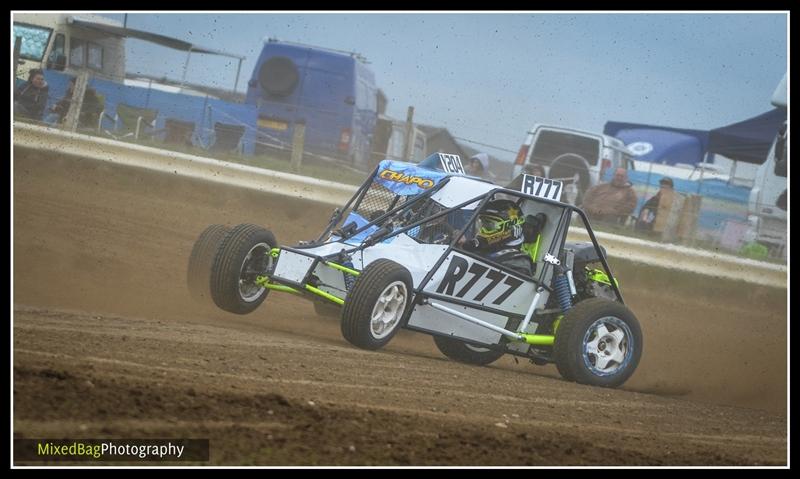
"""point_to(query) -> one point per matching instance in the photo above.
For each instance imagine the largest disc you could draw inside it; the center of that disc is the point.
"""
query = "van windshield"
(34, 40)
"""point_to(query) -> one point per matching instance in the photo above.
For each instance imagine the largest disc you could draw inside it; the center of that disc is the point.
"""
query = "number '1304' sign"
(541, 187)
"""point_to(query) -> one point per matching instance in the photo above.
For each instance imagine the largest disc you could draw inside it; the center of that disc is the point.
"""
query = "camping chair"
(178, 132)
(228, 137)
(131, 121)
(101, 99)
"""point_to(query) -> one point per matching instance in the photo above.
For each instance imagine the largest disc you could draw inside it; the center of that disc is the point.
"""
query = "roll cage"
(375, 230)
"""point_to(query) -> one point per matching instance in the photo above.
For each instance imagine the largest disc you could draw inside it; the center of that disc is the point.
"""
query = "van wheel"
(567, 166)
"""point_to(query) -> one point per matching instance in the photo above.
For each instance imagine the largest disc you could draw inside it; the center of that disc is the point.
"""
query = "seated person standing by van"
(90, 108)
(647, 217)
(479, 166)
(31, 98)
(611, 202)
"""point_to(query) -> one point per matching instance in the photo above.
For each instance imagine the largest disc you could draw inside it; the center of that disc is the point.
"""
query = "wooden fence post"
(298, 139)
(74, 112)
(408, 150)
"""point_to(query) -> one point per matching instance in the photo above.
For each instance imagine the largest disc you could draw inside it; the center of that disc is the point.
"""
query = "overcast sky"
(489, 77)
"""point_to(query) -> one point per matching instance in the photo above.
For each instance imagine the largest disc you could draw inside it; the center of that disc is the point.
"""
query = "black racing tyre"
(243, 255)
(375, 305)
(466, 353)
(598, 342)
(278, 76)
(198, 274)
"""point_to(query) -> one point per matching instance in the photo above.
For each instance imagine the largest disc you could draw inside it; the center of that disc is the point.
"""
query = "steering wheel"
(439, 233)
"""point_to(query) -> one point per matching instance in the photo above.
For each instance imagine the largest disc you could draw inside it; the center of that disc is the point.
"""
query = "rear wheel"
(243, 256)
(375, 305)
(466, 353)
(598, 342)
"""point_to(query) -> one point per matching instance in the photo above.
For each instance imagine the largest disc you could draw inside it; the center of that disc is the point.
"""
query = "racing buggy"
(485, 270)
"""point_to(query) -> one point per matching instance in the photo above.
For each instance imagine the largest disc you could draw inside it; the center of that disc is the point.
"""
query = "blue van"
(332, 92)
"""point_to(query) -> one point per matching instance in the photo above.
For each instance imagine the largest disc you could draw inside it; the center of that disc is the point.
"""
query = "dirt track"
(107, 343)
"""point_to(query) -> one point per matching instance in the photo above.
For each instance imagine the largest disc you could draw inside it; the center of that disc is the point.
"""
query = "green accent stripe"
(264, 281)
(532, 249)
(600, 276)
(325, 295)
(343, 268)
(538, 339)
(557, 323)
(280, 287)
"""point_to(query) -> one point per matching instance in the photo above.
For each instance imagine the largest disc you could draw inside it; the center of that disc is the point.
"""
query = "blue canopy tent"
(659, 144)
(750, 140)
(663, 147)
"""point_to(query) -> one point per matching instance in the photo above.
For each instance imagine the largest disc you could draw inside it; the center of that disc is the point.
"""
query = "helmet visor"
(489, 224)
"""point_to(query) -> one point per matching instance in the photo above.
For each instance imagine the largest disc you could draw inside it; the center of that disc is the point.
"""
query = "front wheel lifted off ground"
(376, 304)
(599, 342)
(243, 256)
(198, 274)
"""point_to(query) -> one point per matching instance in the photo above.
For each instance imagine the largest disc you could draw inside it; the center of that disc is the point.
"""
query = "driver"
(504, 236)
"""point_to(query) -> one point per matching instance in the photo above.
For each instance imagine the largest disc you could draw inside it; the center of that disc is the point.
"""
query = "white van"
(579, 158)
(767, 208)
(67, 43)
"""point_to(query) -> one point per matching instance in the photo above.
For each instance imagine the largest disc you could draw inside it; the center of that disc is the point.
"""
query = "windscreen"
(34, 40)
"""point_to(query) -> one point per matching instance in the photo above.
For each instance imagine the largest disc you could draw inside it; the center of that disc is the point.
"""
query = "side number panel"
(467, 279)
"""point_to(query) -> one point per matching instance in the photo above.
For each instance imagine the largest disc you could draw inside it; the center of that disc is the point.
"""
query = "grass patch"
(678, 283)
(705, 245)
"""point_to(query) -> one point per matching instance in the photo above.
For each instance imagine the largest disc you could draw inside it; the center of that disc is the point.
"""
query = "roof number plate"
(451, 163)
(541, 187)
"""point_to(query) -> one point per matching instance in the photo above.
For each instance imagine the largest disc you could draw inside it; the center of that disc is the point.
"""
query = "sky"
(488, 77)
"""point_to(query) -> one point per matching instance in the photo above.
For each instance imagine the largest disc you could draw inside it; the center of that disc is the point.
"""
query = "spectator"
(31, 98)
(647, 217)
(90, 109)
(479, 165)
(611, 202)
